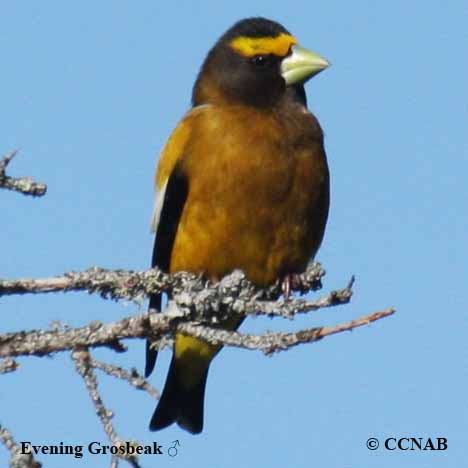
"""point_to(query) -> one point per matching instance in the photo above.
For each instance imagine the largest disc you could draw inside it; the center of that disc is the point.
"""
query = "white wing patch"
(160, 194)
(157, 207)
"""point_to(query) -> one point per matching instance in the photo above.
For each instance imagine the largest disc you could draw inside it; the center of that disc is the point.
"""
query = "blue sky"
(89, 93)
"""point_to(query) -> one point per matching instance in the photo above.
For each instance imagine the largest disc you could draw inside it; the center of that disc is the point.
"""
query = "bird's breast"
(257, 199)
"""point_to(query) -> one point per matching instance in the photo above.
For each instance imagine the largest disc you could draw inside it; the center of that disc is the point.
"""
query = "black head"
(244, 66)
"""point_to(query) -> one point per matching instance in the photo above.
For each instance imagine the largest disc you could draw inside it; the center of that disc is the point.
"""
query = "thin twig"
(83, 365)
(24, 185)
(132, 377)
(81, 359)
(273, 342)
(17, 459)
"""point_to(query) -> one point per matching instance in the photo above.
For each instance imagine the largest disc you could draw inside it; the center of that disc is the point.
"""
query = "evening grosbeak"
(242, 183)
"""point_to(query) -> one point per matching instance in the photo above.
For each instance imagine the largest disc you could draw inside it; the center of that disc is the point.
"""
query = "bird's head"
(254, 63)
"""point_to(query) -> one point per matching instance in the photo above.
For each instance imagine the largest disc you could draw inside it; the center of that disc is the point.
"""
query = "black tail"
(180, 404)
(151, 353)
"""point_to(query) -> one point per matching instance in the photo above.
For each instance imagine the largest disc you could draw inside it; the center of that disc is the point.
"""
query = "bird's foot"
(290, 281)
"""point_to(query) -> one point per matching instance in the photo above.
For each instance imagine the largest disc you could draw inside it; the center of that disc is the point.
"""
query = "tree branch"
(84, 367)
(153, 326)
(131, 285)
(273, 342)
(132, 377)
(233, 294)
(17, 459)
(197, 308)
(43, 342)
(24, 185)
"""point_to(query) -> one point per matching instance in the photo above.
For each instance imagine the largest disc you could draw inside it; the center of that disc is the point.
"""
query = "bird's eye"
(260, 60)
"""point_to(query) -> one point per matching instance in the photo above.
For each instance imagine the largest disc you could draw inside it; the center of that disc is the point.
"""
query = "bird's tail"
(151, 353)
(181, 402)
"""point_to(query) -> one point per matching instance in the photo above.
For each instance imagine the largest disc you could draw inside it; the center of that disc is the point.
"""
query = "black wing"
(171, 212)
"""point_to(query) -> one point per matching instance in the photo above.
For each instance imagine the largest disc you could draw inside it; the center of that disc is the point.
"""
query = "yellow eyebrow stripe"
(251, 46)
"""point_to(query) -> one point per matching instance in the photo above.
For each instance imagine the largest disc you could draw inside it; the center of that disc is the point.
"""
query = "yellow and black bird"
(242, 183)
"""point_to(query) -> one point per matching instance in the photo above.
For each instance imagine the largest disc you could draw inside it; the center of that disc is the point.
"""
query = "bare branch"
(202, 306)
(234, 293)
(128, 284)
(152, 326)
(83, 365)
(81, 359)
(287, 308)
(272, 342)
(8, 365)
(17, 459)
(197, 308)
(40, 343)
(133, 377)
(24, 185)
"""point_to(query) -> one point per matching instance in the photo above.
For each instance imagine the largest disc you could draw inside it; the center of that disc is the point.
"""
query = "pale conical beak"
(301, 65)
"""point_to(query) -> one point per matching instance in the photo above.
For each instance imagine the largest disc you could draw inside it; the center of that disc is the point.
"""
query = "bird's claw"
(290, 281)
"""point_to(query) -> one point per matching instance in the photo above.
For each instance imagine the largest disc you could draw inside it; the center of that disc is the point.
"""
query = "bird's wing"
(171, 193)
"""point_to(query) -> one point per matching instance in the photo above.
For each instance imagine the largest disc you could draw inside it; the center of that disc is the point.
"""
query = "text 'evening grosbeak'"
(242, 183)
